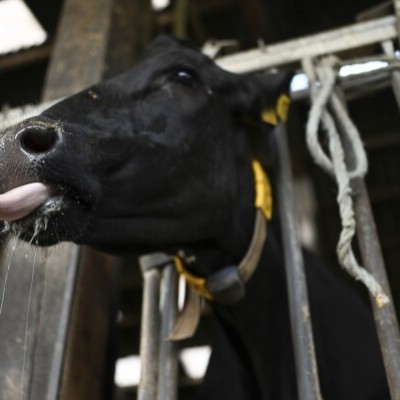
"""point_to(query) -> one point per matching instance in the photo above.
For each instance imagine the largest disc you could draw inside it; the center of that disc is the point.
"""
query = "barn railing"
(302, 50)
(371, 253)
(306, 51)
(385, 317)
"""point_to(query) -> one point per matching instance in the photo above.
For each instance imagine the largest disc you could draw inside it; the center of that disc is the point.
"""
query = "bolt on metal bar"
(306, 365)
(371, 254)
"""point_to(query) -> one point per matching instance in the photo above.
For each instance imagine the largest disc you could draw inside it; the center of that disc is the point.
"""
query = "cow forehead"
(146, 71)
(116, 96)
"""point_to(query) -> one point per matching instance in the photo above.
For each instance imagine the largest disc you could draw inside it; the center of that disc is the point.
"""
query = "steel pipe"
(371, 253)
(149, 335)
(168, 374)
(158, 355)
(372, 258)
(306, 365)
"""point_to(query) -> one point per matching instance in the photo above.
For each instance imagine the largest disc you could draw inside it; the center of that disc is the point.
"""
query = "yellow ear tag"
(280, 113)
(263, 200)
(282, 107)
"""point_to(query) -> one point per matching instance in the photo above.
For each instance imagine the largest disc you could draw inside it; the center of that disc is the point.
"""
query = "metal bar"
(379, 10)
(388, 49)
(396, 4)
(306, 365)
(61, 335)
(180, 18)
(149, 343)
(95, 290)
(371, 253)
(349, 37)
(385, 317)
(25, 57)
(168, 375)
(157, 360)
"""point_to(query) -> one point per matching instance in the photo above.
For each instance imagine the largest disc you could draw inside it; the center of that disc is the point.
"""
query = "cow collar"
(227, 286)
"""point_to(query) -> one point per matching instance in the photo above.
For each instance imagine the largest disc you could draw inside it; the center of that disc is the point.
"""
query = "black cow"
(158, 159)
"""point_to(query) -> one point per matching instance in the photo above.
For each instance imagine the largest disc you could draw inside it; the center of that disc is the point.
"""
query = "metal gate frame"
(302, 50)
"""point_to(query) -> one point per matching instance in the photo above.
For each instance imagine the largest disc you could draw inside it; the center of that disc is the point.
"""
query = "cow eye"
(186, 77)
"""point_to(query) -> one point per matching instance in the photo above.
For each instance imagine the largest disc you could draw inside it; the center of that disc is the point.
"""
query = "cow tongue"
(22, 200)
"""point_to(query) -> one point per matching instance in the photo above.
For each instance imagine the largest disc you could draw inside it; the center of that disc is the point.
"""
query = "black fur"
(157, 158)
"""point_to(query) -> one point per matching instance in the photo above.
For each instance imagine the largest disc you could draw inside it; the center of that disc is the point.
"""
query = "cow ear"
(259, 91)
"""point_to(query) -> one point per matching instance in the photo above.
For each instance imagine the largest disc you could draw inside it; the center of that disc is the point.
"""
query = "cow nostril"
(38, 140)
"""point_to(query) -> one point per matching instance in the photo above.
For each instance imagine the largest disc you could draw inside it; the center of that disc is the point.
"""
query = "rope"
(334, 163)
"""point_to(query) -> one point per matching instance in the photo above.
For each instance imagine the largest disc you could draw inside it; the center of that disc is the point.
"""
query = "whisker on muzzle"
(6, 275)
(27, 322)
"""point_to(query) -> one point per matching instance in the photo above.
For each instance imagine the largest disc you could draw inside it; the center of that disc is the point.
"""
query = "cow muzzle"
(23, 148)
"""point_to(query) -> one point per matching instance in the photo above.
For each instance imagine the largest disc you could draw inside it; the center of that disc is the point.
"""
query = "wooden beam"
(81, 40)
(35, 371)
(25, 57)
(127, 35)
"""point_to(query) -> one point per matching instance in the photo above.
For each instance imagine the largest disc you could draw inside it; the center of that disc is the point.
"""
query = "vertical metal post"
(385, 316)
(371, 253)
(158, 356)
(396, 4)
(180, 18)
(149, 336)
(306, 365)
(168, 376)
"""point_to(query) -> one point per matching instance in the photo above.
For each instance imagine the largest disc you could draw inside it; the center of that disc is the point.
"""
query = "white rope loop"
(317, 113)
(335, 164)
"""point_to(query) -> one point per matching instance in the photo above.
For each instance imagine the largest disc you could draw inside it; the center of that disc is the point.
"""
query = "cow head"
(153, 156)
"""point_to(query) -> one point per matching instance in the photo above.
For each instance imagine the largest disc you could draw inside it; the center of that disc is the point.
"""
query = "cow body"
(158, 159)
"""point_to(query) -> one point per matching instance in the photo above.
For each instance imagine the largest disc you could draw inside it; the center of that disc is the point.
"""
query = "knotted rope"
(334, 163)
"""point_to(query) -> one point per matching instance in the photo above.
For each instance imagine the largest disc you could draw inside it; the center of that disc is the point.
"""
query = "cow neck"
(257, 328)
(227, 285)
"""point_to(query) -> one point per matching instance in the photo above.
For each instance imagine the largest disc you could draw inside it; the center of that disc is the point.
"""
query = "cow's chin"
(60, 219)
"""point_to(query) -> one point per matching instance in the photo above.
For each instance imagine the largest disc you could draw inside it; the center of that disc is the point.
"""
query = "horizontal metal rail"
(332, 41)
